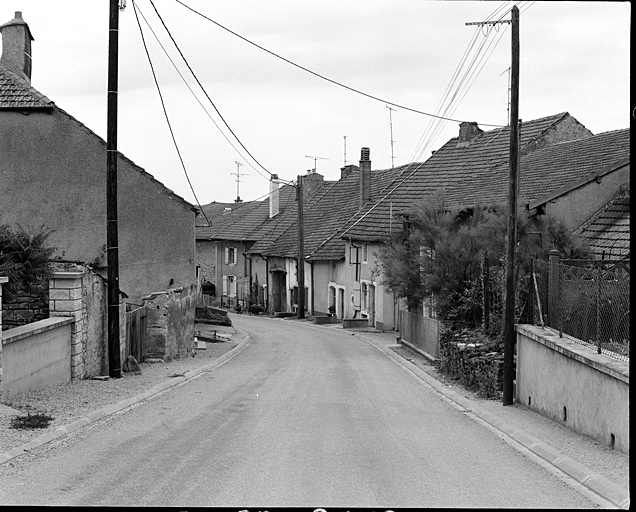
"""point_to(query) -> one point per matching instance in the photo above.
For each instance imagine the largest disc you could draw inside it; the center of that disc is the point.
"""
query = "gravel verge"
(77, 399)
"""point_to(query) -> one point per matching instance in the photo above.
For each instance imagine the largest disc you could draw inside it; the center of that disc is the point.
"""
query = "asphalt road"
(304, 416)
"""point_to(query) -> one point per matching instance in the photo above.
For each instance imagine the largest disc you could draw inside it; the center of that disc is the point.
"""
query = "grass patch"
(31, 421)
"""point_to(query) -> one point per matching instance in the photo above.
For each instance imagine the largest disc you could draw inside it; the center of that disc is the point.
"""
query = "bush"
(24, 258)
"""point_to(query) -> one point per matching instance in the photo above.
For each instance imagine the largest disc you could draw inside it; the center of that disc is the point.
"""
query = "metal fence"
(421, 331)
(587, 300)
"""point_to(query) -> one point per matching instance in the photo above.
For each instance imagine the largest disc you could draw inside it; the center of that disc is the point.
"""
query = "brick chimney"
(16, 46)
(348, 169)
(365, 176)
(311, 184)
(273, 195)
(468, 131)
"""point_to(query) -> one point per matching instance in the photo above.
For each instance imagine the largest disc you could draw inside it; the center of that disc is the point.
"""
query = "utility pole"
(112, 243)
(316, 158)
(509, 310)
(509, 314)
(301, 251)
(238, 176)
(392, 141)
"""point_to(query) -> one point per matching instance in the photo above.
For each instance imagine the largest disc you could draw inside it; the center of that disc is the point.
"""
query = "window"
(364, 296)
(365, 252)
(230, 255)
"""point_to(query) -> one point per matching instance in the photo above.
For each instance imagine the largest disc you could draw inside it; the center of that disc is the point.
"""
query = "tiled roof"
(462, 175)
(228, 221)
(560, 166)
(325, 215)
(607, 232)
(18, 94)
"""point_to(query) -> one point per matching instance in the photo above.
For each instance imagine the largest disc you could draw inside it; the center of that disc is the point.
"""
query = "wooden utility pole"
(509, 313)
(301, 251)
(112, 244)
(509, 309)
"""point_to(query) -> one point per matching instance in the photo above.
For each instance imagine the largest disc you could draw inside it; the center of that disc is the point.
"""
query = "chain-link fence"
(588, 300)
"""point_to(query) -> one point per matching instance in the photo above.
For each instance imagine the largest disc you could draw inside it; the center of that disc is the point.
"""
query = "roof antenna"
(392, 141)
(316, 158)
(238, 175)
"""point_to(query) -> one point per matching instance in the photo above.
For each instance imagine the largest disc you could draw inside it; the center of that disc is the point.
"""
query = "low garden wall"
(573, 385)
(474, 361)
(36, 355)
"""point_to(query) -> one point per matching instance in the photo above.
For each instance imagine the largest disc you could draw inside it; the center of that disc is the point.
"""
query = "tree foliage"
(441, 253)
(24, 258)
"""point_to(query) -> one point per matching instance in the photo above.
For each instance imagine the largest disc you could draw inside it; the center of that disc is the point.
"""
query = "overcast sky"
(574, 58)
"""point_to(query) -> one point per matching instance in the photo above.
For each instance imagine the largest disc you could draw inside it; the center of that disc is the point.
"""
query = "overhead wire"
(318, 74)
(165, 112)
(193, 93)
(461, 84)
(205, 92)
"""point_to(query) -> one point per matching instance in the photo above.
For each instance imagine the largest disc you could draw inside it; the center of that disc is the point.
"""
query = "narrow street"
(304, 416)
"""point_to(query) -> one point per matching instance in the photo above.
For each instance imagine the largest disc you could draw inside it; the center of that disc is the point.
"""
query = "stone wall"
(25, 309)
(474, 362)
(170, 323)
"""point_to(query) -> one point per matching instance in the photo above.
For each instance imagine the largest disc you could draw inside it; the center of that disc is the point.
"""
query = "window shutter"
(224, 285)
(227, 255)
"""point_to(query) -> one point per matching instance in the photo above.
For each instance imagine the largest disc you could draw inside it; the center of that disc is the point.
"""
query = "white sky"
(574, 58)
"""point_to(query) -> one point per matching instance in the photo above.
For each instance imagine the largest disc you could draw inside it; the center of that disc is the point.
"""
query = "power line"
(193, 93)
(163, 106)
(204, 91)
(322, 76)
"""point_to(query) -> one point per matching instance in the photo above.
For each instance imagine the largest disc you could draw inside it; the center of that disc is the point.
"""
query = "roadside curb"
(595, 482)
(111, 409)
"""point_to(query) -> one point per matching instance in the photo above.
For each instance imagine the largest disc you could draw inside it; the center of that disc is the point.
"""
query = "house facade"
(53, 175)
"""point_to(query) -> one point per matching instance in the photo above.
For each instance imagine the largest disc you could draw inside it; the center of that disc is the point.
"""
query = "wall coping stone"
(68, 274)
(24, 331)
(566, 346)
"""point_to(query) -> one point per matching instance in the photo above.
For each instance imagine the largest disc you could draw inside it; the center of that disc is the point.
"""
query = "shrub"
(24, 258)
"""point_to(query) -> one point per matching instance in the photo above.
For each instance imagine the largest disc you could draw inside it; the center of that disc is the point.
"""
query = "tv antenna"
(345, 150)
(238, 180)
(392, 141)
(314, 158)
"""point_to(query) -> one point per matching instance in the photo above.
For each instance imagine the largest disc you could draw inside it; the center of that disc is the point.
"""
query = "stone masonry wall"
(25, 309)
(476, 365)
(170, 323)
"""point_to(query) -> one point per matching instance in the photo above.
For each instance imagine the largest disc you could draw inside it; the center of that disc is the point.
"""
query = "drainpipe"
(266, 282)
(311, 277)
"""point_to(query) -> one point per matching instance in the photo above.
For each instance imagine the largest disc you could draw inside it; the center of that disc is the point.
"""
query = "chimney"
(16, 46)
(311, 184)
(468, 131)
(365, 176)
(348, 169)
(273, 195)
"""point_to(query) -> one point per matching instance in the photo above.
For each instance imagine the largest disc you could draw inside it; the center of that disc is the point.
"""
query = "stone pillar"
(554, 291)
(65, 299)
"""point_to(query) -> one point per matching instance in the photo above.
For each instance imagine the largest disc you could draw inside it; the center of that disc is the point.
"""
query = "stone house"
(53, 172)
